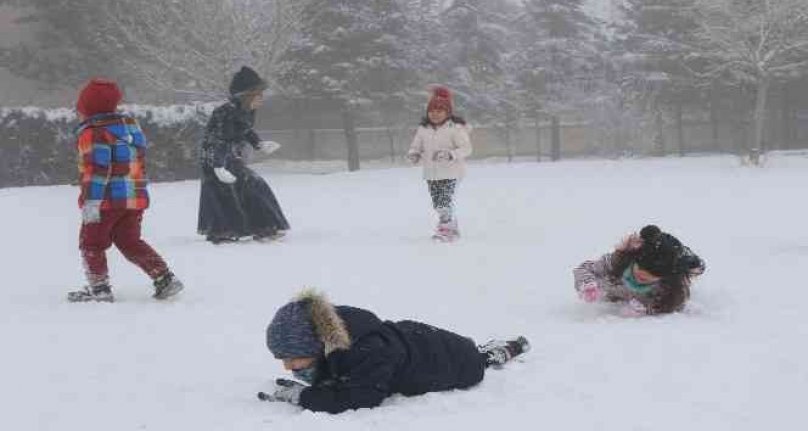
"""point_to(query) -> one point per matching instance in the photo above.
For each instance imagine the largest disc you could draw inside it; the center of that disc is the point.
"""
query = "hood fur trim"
(327, 324)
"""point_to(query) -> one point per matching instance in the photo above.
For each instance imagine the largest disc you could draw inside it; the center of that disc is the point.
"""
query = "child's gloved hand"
(414, 158)
(224, 175)
(591, 292)
(629, 243)
(268, 147)
(285, 390)
(443, 156)
(91, 212)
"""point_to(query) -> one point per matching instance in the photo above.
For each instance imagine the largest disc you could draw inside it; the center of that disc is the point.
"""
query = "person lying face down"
(350, 359)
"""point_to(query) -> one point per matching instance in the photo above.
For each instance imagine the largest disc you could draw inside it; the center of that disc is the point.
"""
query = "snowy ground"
(736, 360)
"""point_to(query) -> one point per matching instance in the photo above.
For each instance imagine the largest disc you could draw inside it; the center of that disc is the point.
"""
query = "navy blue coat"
(385, 358)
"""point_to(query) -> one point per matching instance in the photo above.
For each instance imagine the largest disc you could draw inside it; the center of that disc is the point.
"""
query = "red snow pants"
(122, 228)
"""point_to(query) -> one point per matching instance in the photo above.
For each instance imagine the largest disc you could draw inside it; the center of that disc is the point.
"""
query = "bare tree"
(752, 42)
(179, 45)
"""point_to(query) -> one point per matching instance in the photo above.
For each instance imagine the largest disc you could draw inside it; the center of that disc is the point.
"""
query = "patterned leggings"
(442, 192)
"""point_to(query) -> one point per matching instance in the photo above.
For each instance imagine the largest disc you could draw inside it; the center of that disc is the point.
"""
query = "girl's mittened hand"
(414, 158)
(443, 156)
(268, 147)
(224, 175)
(591, 292)
(631, 242)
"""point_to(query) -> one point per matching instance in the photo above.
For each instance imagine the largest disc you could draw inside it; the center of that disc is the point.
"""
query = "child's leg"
(442, 192)
(126, 235)
(94, 240)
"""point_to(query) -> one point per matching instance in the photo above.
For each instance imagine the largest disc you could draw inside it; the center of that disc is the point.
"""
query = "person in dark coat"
(235, 201)
(351, 359)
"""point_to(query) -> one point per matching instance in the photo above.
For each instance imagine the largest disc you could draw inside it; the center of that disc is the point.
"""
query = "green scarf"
(633, 285)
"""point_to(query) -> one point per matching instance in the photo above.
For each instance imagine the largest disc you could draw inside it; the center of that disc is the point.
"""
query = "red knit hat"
(441, 99)
(98, 96)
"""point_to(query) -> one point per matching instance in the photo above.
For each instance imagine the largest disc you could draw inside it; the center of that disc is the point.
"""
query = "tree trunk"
(555, 144)
(351, 139)
(680, 128)
(714, 119)
(392, 140)
(659, 133)
(508, 146)
(760, 115)
(311, 141)
(786, 136)
(537, 119)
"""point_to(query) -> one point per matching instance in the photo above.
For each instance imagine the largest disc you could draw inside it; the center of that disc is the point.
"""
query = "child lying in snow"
(650, 272)
(351, 359)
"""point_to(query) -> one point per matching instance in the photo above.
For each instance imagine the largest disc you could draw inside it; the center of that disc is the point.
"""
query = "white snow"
(164, 116)
(736, 360)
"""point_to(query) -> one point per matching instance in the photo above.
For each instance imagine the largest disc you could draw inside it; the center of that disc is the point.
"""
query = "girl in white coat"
(442, 145)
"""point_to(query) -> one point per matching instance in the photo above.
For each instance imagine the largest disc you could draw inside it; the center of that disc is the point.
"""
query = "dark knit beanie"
(292, 334)
(660, 252)
(246, 80)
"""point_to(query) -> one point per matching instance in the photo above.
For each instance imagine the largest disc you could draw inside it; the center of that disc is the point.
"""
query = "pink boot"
(446, 232)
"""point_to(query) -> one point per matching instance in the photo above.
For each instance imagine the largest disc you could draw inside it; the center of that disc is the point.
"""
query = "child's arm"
(95, 153)
(416, 147)
(592, 272)
(221, 135)
(365, 385)
(462, 143)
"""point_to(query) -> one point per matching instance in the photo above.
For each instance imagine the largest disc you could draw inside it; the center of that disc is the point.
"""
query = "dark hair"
(664, 256)
(453, 118)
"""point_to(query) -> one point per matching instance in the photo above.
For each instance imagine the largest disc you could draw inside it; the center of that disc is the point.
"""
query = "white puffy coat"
(449, 136)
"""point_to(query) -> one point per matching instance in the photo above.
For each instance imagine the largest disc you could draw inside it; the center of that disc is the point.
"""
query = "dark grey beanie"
(246, 80)
(291, 334)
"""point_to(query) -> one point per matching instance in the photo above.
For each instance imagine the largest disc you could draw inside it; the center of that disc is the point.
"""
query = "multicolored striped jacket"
(112, 162)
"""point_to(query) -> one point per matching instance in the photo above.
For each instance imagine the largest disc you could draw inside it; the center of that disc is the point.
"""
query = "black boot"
(499, 352)
(167, 286)
(221, 239)
(98, 293)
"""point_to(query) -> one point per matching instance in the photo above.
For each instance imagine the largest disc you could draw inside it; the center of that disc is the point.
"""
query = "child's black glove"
(285, 390)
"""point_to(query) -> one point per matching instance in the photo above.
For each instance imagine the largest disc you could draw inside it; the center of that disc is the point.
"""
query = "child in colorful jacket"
(442, 145)
(350, 359)
(650, 272)
(113, 197)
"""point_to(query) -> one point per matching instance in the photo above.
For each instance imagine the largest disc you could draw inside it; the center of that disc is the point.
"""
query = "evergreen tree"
(559, 62)
(656, 40)
(351, 53)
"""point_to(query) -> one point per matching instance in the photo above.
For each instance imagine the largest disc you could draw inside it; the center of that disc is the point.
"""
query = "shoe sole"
(440, 238)
(76, 299)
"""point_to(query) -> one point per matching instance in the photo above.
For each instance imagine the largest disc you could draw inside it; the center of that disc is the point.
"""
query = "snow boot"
(167, 286)
(221, 239)
(499, 352)
(277, 236)
(97, 293)
(447, 231)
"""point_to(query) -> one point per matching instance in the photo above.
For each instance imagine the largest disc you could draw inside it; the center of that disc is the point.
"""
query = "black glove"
(285, 390)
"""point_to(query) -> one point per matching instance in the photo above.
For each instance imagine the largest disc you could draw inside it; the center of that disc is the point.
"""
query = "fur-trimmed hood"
(328, 325)
(310, 326)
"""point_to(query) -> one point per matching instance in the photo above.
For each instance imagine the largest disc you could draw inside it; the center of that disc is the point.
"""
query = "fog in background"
(536, 77)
